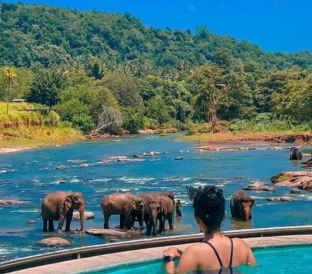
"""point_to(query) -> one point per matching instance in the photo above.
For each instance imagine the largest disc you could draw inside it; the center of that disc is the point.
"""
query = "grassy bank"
(243, 130)
(29, 125)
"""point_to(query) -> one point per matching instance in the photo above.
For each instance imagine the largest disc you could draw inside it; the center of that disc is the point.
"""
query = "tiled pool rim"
(99, 257)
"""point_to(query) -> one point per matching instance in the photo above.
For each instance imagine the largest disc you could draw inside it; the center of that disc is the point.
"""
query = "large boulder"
(12, 202)
(300, 179)
(259, 186)
(109, 232)
(87, 215)
(280, 199)
(294, 191)
(307, 163)
(53, 242)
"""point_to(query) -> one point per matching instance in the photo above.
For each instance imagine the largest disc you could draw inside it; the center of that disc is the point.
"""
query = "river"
(30, 175)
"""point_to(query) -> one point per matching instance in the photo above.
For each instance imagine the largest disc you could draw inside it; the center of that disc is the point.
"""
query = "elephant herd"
(149, 207)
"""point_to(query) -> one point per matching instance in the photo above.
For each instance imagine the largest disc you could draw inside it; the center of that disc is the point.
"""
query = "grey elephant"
(123, 205)
(241, 206)
(153, 209)
(60, 206)
(146, 197)
(295, 154)
(166, 212)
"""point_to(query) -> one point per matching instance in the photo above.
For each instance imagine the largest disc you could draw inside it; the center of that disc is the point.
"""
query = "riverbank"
(15, 149)
(297, 139)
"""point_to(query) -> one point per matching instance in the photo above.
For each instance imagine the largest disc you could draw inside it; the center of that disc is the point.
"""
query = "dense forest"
(108, 71)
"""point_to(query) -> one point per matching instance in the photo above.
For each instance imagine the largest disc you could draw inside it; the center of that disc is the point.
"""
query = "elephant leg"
(122, 223)
(106, 218)
(146, 220)
(149, 229)
(69, 218)
(161, 224)
(51, 225)
(170, 221)
(140, 220)
(45, 228)
(60, 224)
(128, 221)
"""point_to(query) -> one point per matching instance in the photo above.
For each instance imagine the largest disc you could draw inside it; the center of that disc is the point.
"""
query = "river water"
(30, 175)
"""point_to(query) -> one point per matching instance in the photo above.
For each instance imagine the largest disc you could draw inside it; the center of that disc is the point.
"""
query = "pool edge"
(286, 236)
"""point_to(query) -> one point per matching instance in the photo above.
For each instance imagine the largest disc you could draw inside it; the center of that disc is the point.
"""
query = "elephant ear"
(133, 204)
(162, 205)
(77, 198)
(68, 203)
(253, 202)
(139, 203)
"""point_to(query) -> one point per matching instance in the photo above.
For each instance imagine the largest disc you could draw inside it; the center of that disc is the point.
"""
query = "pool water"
(271, 260)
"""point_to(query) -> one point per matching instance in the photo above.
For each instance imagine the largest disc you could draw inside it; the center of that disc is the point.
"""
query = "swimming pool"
(271, 260)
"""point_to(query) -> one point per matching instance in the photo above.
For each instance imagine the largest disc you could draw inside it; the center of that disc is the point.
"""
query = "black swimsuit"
(218, 257)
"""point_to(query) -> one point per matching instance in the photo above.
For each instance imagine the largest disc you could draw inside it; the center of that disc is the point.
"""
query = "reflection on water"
(240, 224)
(30, 175)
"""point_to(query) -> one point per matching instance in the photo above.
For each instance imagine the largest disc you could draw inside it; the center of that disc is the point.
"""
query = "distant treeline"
(40, 35)
(109, 72)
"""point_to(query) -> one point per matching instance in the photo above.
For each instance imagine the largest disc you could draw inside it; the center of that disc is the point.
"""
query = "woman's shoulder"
(238, 241)
(195, 249)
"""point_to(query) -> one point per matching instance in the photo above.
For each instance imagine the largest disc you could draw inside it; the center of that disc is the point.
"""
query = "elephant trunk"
(81, 212)
(246, 213)
(154, 220)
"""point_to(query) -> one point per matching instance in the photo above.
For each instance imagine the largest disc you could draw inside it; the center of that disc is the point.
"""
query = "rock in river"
(53, 242)
(87, 215)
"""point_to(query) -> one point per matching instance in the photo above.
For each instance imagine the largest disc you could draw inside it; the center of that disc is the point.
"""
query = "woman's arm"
(187, 261)
(251, 260)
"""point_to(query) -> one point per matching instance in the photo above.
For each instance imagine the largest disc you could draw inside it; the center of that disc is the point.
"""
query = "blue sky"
(275, 25)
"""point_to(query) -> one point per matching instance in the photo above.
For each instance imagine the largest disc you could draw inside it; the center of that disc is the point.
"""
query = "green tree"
(206, 95)
(133, 119)
(46, 87)
(95, 68)
(109, 114)
(295, 99)
(157, 109)
(223, 58)
(123, 88)
(216, 92)
(22, 83)
(79, 105)
(78, 77)
(9, 74)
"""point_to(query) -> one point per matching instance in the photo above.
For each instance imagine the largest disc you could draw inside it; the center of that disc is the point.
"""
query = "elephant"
(168, 194)
(122, 205)
(156, 207)
(295, 154)
(241, 206)
(145, 214)
(166, 212)
(60, 205)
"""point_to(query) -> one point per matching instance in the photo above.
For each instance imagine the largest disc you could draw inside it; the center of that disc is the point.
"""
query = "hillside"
(39, 35)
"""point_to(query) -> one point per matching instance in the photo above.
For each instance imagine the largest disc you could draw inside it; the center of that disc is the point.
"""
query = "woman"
(216, 252)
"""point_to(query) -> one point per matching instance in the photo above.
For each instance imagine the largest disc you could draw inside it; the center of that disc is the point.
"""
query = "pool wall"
(94, 258)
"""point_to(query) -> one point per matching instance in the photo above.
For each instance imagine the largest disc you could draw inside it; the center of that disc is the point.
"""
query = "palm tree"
(9, 74)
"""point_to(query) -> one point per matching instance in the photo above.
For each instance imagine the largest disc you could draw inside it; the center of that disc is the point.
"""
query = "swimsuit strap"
(231, 253)
(218, 257)
(215, 251)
